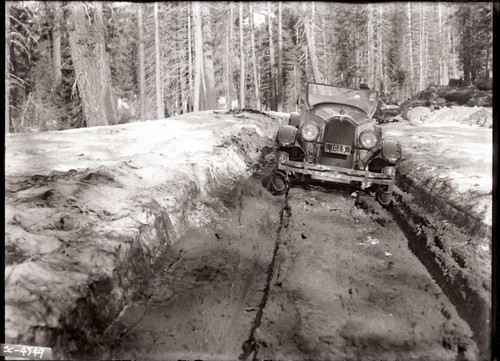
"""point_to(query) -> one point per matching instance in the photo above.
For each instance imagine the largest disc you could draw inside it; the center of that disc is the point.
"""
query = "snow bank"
(470, 116)
(89, 211)
(449, 155)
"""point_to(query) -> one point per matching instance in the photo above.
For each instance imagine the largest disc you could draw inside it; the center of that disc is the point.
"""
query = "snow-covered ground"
(89, 210)
(450, 150)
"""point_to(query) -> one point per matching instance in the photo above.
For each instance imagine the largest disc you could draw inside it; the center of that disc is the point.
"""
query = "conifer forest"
(80, 64)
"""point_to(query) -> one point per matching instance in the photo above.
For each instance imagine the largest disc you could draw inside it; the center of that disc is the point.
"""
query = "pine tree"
(142, 71)
(91, 65)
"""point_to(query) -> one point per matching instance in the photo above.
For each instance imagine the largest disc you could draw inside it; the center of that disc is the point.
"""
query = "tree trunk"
(158, 80)
(312, 23)
(441, 46)
(56, 45)
(310, 46)
(203, 101)
(104, 67)
(142, 71)
(7, 68)
(295, 69)
(426, 56)
(229, 57)
(181, 64)
(198, 54)
(272, 60)
(370, 75)
(381, 79)
(91, 66)
(231, 52)
(325, 54)
(190, 64)
(410, 44)
(254, 60)
(280, 59)
(421, 83)
(208, 62)
(242, 61)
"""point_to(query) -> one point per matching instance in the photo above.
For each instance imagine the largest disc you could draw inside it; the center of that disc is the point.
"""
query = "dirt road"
(306, 276)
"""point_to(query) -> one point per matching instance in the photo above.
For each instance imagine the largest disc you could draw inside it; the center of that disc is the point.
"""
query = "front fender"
(391, 151)
(287, 135)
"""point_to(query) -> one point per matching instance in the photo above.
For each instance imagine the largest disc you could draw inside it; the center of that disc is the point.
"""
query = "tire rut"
(250, 346)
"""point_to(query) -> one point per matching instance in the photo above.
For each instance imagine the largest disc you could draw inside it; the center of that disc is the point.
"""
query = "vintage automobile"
(335, 139)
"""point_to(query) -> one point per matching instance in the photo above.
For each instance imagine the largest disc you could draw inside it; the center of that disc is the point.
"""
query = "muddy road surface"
(308, 275)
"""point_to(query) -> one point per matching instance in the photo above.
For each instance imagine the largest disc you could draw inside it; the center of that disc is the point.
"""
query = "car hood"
(362, 99)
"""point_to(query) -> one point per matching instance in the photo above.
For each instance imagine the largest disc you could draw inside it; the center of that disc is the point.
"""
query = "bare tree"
(380, 51)
(242, 61)
(56, 44)
(272, 60)
(254, 59)
(410, 44)
(190, 61)
(198, 54)
(421, 83)
(280, 60)
(325, 52)
(159, 98)
(208, 63)
(310, 45)
(142, 72)
(369, 43)
(181, 63)
(230, 42)
(7, 68)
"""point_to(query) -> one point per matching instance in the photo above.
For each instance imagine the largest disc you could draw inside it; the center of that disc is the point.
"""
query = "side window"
(301, 103)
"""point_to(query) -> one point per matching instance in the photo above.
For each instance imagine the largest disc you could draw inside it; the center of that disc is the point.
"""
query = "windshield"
(328, 111)
(363, 99)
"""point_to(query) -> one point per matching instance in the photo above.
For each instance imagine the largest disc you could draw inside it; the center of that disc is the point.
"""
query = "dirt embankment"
(90, 211)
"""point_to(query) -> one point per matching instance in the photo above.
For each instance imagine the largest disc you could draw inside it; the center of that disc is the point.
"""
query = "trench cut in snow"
(89, 211)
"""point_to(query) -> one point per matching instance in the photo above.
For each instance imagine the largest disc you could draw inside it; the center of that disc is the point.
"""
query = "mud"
(346, 286)
(303, 276)
(448, 254)
(204, 298)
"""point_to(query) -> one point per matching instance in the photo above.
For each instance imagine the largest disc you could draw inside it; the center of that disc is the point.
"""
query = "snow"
(451, 147)
(88, 205)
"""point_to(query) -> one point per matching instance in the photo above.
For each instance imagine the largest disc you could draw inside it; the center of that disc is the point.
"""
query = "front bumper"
(336, 174)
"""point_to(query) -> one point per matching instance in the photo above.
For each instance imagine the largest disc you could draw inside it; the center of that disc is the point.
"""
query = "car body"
(335, 139)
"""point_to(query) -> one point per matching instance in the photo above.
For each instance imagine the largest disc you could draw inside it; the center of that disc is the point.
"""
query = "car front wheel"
(384, 194)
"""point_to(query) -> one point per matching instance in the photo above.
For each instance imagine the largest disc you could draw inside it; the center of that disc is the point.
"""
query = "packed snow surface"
(454, 145)
(97, 206)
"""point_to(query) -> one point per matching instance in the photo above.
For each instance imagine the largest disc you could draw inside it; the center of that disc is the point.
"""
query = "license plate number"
(338, 148)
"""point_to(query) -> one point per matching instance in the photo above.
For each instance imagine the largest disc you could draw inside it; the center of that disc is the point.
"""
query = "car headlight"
(309, 132)
(368, 139)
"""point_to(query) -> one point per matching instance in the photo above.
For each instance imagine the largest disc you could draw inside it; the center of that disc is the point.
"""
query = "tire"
(384, 194)
(278, 184)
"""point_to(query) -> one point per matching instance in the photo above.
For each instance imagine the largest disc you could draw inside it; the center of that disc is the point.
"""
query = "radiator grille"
(338, 132)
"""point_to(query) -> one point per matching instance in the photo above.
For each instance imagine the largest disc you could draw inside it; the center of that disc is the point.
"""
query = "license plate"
(338, 148)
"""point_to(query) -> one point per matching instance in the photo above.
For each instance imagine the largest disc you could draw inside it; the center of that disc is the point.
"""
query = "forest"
(80, 64)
